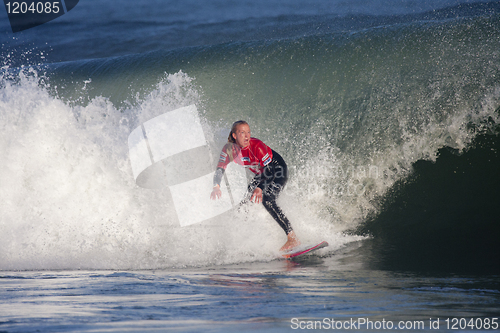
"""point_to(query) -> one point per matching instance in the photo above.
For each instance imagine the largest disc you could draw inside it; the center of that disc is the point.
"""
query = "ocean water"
(386, 112)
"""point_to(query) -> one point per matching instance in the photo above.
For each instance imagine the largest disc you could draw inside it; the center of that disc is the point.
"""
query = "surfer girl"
(270, 174)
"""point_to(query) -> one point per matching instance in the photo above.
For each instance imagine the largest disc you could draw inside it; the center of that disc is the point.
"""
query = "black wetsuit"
(271, 182)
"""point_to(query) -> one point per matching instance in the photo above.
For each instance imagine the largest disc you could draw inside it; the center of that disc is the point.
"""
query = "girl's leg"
(269, 201)
(272, 207)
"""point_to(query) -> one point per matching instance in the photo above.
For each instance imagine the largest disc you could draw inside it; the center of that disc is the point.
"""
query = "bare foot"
(292, 242)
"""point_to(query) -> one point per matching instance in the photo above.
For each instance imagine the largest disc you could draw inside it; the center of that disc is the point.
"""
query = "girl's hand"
(216, 193)
(257, 195)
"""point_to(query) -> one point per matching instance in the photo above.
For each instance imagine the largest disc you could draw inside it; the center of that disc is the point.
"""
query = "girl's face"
(242, 135)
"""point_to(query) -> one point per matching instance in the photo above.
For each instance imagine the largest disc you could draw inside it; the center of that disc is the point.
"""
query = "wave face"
(444, 217)
(353, 114)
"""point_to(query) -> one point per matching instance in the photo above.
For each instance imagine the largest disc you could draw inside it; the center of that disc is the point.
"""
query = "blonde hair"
(233, 130)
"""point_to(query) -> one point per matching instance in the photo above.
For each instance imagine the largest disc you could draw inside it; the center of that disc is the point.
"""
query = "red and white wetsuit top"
(255, 156)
